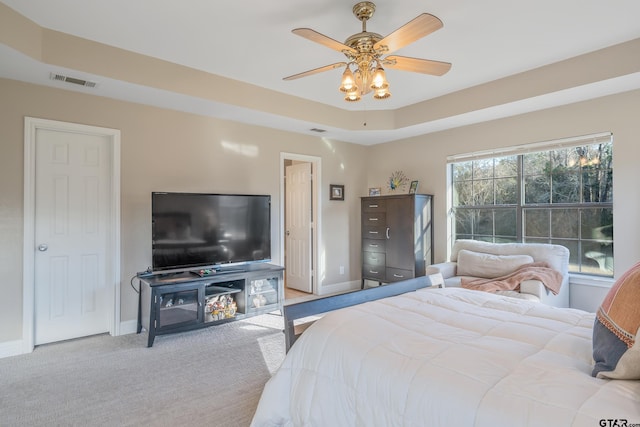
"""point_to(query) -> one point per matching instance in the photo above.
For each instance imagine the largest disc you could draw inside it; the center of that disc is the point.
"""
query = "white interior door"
(298, 227)
(72, 206)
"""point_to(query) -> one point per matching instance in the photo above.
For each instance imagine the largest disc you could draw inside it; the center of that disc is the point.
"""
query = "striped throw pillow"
(616, 347)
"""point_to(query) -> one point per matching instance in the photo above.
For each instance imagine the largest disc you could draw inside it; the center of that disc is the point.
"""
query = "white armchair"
(489, 260)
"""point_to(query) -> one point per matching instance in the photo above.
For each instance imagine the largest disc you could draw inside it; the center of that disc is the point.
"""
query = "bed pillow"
(480, 264)
(616, 351)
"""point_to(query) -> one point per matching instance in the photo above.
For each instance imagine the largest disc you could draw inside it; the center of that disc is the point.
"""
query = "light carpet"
(212, 376)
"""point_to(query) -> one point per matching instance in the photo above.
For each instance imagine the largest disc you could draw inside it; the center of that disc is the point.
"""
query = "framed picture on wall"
(336, 192)
(413, 187)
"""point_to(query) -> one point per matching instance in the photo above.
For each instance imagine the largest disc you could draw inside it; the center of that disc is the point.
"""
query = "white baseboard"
(128, 327)
(14, 348)
(339, 287)
(10, 348)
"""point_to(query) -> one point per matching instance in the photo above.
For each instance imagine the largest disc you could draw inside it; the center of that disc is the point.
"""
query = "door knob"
(43, 247)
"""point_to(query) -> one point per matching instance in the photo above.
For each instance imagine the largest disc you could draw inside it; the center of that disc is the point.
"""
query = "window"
(558, 193)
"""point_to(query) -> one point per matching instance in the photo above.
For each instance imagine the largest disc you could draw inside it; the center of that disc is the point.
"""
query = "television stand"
(177, 302)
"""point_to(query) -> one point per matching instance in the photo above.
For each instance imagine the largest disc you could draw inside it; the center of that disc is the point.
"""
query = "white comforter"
(445, 357)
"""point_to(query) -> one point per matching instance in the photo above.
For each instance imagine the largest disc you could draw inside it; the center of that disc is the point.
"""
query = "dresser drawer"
(371, 232)
(373, 272)
(373, 245)
(374, 219)
(374, 258)
(374, 205)
(397, 274)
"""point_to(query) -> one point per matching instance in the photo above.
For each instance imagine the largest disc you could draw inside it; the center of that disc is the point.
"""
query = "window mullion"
(520, 199)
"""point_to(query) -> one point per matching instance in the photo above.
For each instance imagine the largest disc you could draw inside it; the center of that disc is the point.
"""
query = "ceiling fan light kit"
(365, 53)
(348, 81)
(352, 96)
(379, 79)
(381, 94)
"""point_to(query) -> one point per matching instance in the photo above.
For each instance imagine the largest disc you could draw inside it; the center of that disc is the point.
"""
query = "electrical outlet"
(342, 269)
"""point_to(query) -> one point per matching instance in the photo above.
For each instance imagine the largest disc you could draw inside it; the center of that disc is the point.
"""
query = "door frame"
(316, 168)
(31, 126)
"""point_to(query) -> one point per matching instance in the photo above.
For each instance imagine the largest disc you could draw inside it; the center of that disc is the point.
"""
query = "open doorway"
(300, 175)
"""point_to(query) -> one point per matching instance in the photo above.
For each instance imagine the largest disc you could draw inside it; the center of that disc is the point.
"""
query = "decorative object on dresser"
(397, 232)
(413, 188)
(398, 181)
(374, 191)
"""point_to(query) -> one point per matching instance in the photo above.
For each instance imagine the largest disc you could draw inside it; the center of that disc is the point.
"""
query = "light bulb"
(348, 83)
(382, 93)
(352, 96)
(379, 80)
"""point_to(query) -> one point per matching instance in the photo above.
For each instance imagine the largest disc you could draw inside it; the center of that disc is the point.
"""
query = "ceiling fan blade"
(420, 26)
(416, 65)
(316, 71)
(315, 36)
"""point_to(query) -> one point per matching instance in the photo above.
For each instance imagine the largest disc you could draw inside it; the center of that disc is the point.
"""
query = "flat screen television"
(193, 231)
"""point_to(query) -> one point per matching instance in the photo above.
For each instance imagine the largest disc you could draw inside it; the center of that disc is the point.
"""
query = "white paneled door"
(298, 226)
(72, 205)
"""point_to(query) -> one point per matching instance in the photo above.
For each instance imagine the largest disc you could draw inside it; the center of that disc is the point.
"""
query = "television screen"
(193, 230)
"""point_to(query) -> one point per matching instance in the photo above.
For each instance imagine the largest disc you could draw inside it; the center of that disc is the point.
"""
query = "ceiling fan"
(365, 54)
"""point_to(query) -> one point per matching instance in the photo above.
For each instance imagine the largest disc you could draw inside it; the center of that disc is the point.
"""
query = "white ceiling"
(251, 41)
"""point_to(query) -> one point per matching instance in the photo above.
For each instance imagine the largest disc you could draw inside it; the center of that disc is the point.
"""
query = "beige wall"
(424, 158)
(172, 151)
(167, 150)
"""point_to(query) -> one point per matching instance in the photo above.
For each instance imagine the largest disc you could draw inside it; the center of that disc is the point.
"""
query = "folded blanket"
(550, 278)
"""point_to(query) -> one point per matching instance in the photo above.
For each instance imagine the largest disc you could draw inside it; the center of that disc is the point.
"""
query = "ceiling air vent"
(317, 130)
(73, 80)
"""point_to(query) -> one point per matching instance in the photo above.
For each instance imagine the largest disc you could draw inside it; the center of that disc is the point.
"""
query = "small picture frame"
(336, 192)
(413, 187)
(375, 191)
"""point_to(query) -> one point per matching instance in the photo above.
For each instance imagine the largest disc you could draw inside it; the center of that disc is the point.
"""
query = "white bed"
(446, 357)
